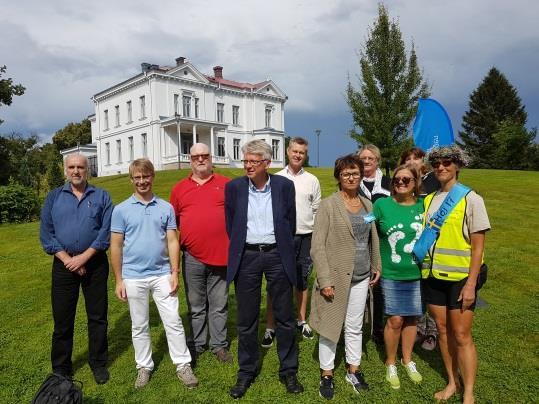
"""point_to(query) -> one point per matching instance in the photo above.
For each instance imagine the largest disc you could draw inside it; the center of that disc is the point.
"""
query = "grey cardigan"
(333, 254)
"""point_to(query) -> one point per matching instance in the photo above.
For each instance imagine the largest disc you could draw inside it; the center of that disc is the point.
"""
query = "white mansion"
(162, 111)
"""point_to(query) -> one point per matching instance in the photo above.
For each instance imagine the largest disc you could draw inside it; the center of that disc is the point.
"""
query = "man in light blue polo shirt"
(145, 259)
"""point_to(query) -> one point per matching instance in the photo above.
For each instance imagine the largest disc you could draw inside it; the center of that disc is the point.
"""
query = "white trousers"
(353, 330)
(138, 297)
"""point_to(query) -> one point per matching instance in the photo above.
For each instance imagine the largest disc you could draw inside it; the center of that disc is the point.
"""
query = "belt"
(260, 247)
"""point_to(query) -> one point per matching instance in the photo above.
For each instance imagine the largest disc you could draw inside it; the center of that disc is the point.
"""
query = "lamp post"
(317, 131)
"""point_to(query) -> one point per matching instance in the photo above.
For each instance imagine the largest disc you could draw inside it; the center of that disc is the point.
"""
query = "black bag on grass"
(57, 388)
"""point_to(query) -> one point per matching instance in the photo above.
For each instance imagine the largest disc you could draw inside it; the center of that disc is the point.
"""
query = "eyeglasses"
(139, 178)
(348, 176)
(445, 163)
(254, 163)
(404, 180)
(195, 157)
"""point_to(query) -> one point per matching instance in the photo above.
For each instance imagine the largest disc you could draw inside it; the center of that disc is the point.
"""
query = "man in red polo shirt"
(198, 201)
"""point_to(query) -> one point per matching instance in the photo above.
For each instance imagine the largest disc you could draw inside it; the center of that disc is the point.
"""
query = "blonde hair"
(373, 149)
(145, 166)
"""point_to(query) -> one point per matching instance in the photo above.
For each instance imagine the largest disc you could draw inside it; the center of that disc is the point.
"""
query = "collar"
(89, 188)
(135, 200)
(289, 172)
(253, 188)
(210, 178)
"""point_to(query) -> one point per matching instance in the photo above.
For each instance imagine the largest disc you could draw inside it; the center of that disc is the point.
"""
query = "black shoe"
(327, 388)
(292, 383)
(101, 375)
(357, 380)
(240, 388)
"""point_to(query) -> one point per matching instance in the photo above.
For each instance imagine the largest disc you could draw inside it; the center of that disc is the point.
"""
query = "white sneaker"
(143, 377)
(187, 377)
(412, 372)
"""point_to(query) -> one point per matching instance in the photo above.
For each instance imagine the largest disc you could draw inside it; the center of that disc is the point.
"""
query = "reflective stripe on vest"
(451, 255)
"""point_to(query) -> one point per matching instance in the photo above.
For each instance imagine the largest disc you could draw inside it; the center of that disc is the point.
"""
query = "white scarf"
(377, 188)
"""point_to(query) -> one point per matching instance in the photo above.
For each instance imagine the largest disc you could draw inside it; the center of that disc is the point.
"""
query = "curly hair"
(453, 153)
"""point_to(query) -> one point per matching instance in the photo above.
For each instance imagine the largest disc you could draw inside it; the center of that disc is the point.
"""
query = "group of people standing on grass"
(368, 238)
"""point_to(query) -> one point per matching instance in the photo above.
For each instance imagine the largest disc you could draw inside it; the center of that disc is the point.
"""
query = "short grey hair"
(257, 146)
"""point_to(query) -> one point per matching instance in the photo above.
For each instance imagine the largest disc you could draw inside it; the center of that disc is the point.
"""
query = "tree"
(73, 134)
(55, 176)
(390, 84)
(512, 149)
(494, 101)
(8, 89)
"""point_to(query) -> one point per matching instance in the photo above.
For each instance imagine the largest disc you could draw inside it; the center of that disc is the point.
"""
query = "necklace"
(352, 202)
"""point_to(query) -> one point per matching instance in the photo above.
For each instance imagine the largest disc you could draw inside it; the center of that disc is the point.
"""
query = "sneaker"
(412, 372)
(327, 388)
(143, 377)
(392, 377)
(305, 330)
(267, 341)
(186, 376)
(223, 355)
(429, 343)
(357, 380)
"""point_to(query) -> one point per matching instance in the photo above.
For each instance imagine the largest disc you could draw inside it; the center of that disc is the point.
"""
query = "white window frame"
(221, 148)
(220, 112)
(129, 111)
(235, 114)
(117, 115)
(275, 144)
(236, 149)
(106, 119)
(131, 148)
(268, 112)
(107, 154)
(142, 100)
(119, 151)
(144, 144)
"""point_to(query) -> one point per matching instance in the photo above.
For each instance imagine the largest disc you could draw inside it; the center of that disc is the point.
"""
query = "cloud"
(65, 51)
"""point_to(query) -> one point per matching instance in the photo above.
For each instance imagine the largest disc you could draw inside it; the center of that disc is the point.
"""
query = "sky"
(65, 51)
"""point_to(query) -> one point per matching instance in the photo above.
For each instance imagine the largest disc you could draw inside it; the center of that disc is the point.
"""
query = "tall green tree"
(8, 89)
(494, 101)
(513, 146)
(390, 84)
(73, 134)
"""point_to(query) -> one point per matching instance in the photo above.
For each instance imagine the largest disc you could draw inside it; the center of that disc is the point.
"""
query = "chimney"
(145, 67)
(218, 72)
(180, 61)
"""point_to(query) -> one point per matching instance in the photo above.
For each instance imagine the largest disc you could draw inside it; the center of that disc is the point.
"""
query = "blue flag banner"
(432, 126)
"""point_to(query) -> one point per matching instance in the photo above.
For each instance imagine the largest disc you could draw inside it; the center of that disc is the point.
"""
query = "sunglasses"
(445, 163)
(195, 157)
(404, 180)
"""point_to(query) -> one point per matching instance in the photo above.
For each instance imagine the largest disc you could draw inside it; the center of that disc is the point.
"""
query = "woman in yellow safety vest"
(451, 270)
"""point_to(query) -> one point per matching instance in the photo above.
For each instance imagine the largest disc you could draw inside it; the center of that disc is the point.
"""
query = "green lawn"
(506, 332)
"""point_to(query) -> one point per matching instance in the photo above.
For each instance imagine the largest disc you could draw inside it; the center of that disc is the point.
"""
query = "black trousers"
(64, 296)
(248, 285)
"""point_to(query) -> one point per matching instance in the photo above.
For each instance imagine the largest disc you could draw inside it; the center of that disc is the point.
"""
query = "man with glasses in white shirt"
(308, 196)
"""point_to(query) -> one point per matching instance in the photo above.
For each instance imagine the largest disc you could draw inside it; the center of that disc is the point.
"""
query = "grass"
(506, 332)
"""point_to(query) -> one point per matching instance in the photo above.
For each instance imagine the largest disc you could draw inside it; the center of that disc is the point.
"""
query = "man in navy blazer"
(261, 223)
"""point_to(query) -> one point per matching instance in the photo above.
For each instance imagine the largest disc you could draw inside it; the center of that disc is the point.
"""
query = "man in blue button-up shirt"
(75, 228)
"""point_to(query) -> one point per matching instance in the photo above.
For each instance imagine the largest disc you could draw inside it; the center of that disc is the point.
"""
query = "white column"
(194, 134)
(226, 143)
(211, 141)
(178, 128)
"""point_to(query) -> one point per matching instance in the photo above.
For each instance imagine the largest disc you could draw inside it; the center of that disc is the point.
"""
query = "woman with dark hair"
(416, 157)
(399, 222)
(427, 334)
(346, 256)
(452, 266)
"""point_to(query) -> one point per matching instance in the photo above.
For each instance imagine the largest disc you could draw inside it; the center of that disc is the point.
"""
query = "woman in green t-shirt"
(399, 221)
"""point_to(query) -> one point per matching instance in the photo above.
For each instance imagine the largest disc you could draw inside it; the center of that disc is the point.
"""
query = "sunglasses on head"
(445, 163)
(404, 180)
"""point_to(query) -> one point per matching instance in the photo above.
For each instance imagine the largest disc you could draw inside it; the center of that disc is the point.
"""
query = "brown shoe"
(223, 355)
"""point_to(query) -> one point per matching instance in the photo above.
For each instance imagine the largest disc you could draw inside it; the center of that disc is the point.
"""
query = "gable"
(270, 88)
(187, 72)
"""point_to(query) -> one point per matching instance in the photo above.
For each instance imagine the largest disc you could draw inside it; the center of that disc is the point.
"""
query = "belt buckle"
(261, 248)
